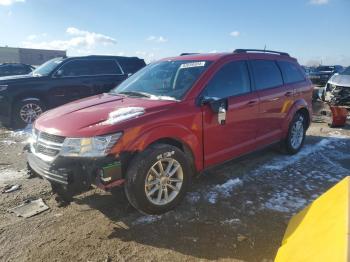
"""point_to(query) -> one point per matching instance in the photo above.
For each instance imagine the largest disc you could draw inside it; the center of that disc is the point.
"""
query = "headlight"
(97, 146)
(3, 87)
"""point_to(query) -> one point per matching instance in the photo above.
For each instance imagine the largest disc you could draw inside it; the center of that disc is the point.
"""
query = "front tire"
(157, 179)
(26, 111)
(296, 134)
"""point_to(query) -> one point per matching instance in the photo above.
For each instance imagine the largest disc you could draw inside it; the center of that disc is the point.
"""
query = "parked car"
(171, 120)
(11, 69)
(337, 89)
(321, 74)
(59, 81)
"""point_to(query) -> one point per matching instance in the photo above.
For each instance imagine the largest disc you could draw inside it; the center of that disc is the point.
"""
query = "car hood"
(17, 78)
(340, 80)
(321, 73)
(91, 116)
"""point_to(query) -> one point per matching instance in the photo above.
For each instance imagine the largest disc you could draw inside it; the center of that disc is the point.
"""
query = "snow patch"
(123, 114)
(285, 202)
(144, 220)
(8, 142)
(232, 221)
(224, 190)
(280, 163)
(193, 197)
(22, 133)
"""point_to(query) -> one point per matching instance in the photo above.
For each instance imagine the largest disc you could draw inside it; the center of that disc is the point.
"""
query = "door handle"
(252, 103)
(288, 94)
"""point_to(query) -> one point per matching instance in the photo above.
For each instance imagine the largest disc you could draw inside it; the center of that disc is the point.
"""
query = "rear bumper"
(77, 174)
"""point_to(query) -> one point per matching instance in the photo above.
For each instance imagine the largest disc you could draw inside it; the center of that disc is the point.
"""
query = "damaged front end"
(75, 164)
(340, 96)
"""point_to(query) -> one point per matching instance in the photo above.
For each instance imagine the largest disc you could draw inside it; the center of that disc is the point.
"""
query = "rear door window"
(231, 80)
(266, 74)
(291, 72)
(20, 69)
(105, 67)
(5, 70)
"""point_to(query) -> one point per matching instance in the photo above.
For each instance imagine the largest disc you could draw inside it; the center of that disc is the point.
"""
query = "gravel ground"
(235, 212)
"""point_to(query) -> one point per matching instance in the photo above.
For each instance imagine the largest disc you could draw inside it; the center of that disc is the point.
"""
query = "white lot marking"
(7, 176)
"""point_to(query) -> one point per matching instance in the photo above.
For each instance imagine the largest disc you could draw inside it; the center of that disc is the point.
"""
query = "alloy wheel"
(297, 133)
(164, 181)
(29, 112)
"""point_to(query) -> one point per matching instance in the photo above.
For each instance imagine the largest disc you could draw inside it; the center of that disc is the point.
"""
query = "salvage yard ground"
(235, 212)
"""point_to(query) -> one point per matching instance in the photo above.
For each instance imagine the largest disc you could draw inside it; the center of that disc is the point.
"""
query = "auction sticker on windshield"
(193, 64)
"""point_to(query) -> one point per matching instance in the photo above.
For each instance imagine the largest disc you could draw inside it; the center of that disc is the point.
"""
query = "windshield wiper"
(135, 93)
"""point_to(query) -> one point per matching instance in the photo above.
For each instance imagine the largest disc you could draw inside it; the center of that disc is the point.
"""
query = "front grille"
(46, 151)
(46, 146)
(52, 138)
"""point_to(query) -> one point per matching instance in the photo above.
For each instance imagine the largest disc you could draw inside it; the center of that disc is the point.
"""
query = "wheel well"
(28, 96)
(127, 157)
(306, 114)
(180, 145)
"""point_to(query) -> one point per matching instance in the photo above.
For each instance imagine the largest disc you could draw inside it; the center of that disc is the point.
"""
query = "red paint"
(253, 120)
(339, 115)
(110, 185)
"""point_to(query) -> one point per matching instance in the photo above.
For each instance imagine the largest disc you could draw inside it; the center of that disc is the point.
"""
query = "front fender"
(131, 142)
(298, 104)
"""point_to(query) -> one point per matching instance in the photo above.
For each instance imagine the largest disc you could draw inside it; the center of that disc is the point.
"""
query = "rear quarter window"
(291, 72)
(105, 67)
(266, 74)
(131, 66)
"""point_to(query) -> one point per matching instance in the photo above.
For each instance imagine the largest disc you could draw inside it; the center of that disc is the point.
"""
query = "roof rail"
(240, 51)
(182, 54)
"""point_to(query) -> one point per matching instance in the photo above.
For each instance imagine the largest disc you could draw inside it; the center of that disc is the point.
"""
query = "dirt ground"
(235, 212)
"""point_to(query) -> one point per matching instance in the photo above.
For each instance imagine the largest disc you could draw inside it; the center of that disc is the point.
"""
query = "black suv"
(59, 81)
(11, 69)
(321, 74)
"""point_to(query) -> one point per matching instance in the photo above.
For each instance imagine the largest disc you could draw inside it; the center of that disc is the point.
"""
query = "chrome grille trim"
(46, 146)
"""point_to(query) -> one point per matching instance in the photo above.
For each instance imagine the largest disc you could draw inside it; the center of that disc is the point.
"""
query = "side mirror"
(218, 106)
(59, 73)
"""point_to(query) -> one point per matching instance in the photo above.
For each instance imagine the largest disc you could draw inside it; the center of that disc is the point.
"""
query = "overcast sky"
(313, 31)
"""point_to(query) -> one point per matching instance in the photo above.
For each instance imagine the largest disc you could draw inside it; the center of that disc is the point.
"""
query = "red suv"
(171, 120)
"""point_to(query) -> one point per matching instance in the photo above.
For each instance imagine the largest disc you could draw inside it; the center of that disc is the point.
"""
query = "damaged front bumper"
(78, 174)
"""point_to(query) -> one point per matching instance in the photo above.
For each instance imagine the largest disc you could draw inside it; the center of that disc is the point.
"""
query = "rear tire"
(296, 134)
(26, 111)
(157, 179)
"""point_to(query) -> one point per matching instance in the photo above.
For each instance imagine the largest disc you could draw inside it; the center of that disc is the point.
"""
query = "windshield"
(168, 80)
(46, 68)
(325, 68)
(346, 71)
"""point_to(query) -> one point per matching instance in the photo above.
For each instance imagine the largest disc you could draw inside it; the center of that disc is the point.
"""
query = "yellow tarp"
(321, 231)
